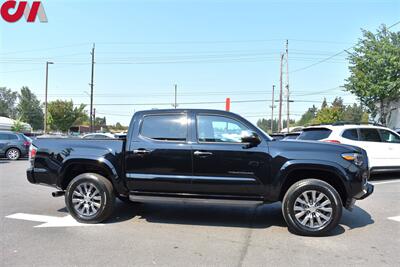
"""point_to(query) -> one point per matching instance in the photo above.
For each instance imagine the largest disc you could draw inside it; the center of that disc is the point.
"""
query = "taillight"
(32, 152)
(27, 143)
(332, 141)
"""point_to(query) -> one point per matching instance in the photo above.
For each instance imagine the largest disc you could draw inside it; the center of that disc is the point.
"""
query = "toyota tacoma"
(203, 156)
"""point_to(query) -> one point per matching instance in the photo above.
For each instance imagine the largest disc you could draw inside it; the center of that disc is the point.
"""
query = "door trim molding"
(151, 176)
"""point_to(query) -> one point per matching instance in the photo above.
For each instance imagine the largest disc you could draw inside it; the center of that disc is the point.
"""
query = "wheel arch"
(74, 167)
(327, 172)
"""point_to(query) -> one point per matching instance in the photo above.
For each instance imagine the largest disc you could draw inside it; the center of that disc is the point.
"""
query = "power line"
(334, 55)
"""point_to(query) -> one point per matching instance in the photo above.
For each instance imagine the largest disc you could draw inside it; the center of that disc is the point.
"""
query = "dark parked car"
(203, 156)
(14, 145)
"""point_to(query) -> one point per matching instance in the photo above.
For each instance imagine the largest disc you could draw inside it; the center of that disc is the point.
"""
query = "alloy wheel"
(313, 209)
(86, 199)
(13, 154)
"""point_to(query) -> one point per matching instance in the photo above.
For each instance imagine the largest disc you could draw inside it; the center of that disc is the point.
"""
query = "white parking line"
(386, 182)
(49, 221)
(396, 218)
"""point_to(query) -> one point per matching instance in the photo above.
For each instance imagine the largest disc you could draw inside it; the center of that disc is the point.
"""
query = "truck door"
(221, 162)
(158, 158)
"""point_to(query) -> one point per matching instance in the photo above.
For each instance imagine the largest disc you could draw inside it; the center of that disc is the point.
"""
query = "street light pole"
(45, 96)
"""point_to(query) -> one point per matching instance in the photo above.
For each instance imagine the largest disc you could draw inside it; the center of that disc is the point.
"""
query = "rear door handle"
(141, 151)
(202, 153)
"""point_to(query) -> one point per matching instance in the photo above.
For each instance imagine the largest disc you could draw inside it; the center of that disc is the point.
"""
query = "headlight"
(356, 158)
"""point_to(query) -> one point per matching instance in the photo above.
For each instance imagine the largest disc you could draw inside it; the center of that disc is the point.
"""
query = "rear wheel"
(311, 207)
(13, 153)
(90, 198)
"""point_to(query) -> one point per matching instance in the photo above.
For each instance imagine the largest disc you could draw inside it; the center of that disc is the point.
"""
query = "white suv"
(382, 144)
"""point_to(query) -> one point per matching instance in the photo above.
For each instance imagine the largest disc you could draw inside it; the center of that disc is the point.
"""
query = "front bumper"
(368, 190)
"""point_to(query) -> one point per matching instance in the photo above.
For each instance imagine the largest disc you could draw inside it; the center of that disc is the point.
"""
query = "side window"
(12, 137)
(3, 136)
(211, 128)
(389, 137)
(165, 127)
(369, 135)
(350, 134)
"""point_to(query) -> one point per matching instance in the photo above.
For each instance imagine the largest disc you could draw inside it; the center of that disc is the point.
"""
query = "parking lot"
(36, 230)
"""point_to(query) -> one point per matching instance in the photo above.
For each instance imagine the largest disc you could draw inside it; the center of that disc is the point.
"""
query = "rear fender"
(97, 162)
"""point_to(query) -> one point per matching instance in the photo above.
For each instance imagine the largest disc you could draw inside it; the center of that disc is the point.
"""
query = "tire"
(13, 153)
(95, 207)
(324, 208)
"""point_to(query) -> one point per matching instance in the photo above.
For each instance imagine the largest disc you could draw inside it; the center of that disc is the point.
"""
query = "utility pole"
(280, 96)
(176, 92)
(287, 86)
(91, 91)
(272, 109)
(45, 97)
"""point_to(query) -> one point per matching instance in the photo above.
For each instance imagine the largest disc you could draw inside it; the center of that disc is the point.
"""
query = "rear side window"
(3, 136)
(165, 127)
(351, 134)
(314, 134)
(7, 136)
(12, 137)
(369, 135)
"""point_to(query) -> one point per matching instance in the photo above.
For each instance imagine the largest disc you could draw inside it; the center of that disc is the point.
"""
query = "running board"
(189, 199)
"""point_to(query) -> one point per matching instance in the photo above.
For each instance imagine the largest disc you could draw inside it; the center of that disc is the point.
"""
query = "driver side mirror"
(251, 140)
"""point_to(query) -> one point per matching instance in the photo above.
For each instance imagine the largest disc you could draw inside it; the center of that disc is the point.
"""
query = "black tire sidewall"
(13, 148)
(107, 197)
(306, 185)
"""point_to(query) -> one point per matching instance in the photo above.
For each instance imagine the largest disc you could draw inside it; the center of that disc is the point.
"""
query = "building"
(393, 120)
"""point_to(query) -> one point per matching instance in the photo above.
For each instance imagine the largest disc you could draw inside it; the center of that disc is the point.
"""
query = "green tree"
(63, 114)
(355, 113)
(375, 71)
(7, 103)
(29, 109)
(324, 104)
(308, 116)
(17, 126)
(329, 115)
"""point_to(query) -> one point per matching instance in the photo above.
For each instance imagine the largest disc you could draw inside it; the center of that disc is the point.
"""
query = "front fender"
(281, 176)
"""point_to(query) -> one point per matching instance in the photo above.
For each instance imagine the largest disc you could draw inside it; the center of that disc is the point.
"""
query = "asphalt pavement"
(36, 230)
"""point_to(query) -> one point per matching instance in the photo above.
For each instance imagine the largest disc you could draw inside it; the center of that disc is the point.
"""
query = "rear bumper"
(40, 176)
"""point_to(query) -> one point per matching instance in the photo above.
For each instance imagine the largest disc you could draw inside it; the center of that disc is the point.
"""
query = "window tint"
(314, 134)
(3, 136)
(389, 137)
(369, 135)
(211, 128)
(351, 134)
(165, 127)
(12, 137)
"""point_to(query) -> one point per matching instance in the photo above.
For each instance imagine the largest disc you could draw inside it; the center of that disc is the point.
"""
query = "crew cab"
(206, 156)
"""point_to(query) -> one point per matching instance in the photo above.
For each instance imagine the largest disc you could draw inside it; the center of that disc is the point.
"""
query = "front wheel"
(312, 207)
(90, 198)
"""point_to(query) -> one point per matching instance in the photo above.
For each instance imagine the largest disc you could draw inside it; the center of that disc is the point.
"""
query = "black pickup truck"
(203, 156)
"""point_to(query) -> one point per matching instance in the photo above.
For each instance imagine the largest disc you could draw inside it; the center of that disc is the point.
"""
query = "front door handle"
(141, 151)
(202, 153)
